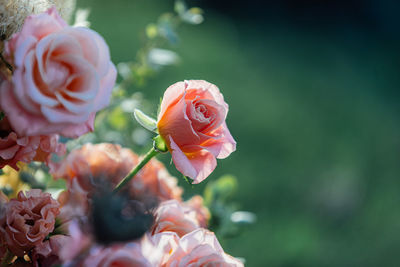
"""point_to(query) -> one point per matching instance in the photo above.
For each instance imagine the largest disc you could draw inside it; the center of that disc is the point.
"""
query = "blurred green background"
(313, 89)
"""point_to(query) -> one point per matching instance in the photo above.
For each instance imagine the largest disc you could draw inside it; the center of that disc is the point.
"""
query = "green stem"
(152, 152)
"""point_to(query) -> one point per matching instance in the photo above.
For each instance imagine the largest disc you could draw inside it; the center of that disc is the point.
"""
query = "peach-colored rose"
(85, 167)
(14, 148)
(201, 212)
(90, 164)
(62, 76)
(28, 220)
(174, 216)
(154, 179)
(129, 255)
(198, 248)
(192, 123)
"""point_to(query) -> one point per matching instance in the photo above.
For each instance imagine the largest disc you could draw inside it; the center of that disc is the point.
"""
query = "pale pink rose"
(62, 76)
(158, 248)
(89, 166)
(174, 216)
(14, 148)
(129, 255)
(78, 243)
(199, 248)
(28, 220)
(192, 123)
(202, 213)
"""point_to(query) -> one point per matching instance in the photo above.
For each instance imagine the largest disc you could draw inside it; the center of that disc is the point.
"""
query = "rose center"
(30, 222)
(56, 74)
(201, 112)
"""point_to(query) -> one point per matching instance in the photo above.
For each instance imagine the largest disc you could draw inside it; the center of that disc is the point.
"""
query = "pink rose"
(47, 253)
(129, 255)
(201, 212)
(78, 243)
(62, 77)
(174, 216)
(199, 248)
(14, 148)
(192, 123)
(28, 220)
(154, 179)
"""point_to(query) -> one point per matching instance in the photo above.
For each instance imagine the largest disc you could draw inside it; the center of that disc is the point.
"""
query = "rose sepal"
(159, 144)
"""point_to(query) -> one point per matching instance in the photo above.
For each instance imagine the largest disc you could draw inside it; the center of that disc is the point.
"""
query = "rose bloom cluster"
(61, 76)
(54, 78)
(51, 232)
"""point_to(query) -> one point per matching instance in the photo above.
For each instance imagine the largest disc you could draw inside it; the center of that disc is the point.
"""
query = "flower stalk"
(152, 152)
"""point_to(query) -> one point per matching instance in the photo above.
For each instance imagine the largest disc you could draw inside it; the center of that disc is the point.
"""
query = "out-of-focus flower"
(47, 253)
(62, 76)
(14, 12)
(154, 179)
(192, 123)
(199, 248)
(173, 216)
(129, 255)
(77, 243)
(202, 213)
(28, 220)
(14, 149)
(90, 166)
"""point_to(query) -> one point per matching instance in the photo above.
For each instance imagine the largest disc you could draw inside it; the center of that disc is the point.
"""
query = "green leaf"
(2, 115)
(146, 121)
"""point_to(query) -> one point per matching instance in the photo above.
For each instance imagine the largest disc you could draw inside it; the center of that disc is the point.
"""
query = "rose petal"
(198, 165)
(172, 95)
(176, 124)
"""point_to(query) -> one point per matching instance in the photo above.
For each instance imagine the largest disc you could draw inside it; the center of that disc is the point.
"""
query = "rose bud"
(192, 123)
